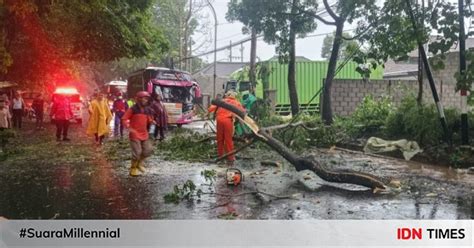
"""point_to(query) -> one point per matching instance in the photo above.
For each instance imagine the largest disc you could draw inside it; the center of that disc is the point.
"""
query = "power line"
(248, 39)
(230, 36)
(321, 12)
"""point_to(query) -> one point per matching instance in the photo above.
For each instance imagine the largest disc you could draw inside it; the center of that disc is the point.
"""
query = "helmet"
(231, 94)
(142, 94)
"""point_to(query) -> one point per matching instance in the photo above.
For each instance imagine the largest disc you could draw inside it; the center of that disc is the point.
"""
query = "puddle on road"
(105, 191)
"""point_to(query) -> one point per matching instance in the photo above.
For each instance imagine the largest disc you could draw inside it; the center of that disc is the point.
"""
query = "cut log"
(304, 163)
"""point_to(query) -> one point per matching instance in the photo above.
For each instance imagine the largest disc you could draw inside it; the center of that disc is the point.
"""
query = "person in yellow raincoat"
(100, 117)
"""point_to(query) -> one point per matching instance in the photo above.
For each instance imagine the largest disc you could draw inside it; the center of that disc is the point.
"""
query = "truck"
(310, 76)
(74, 98)
(115, 87)
(178, 91)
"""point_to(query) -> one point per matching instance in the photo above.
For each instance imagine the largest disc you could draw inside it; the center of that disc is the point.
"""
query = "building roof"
(223, 69)
(454, 48)
(297, 58)
(409, 68)
(399, 69)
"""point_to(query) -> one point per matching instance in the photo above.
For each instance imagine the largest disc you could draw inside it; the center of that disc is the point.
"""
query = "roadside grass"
(41, 147)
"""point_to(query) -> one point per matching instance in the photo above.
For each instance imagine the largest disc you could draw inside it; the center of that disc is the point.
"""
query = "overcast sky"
(309, 47)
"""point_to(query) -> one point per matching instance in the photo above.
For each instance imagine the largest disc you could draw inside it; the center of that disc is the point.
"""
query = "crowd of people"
(12, 111)
(136, 114)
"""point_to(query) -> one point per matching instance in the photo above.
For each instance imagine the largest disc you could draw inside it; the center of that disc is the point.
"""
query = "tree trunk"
(292, 65)
(305, 163)
(326, 108)
(253, 57)
(187, 34)
(419, 98)
(180, 39)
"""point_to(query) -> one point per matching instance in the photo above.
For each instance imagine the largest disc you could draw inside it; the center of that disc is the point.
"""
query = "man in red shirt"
(137, 119)
(119, 108)
(61, 113)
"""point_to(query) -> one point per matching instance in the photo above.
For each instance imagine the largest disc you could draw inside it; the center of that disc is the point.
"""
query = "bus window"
(244, 86)
(173, 94)
(134, 85)
(148, 75)
(167, 75)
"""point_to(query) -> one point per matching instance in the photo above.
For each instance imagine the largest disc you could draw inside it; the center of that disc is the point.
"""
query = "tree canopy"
(272, 19)
(43, 40)
(347, 46)
(280, 21)
(180, 20)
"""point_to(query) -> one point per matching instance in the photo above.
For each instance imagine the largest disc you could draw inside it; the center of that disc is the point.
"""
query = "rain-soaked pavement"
(94, 188)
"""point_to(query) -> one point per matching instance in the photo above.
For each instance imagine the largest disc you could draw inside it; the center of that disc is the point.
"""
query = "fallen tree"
(304, 163)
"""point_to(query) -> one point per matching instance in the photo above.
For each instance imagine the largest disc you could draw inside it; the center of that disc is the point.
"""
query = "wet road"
(95, 188)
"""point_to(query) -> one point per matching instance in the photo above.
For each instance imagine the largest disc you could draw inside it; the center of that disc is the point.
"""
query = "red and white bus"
(177, 89)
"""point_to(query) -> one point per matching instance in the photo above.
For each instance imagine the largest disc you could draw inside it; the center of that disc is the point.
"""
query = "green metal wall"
(309, 79)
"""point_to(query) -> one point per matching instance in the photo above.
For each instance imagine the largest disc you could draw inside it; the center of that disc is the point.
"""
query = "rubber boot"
(141, 165)
(134, 169)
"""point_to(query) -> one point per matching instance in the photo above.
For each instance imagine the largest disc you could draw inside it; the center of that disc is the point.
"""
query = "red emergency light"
(66, 91)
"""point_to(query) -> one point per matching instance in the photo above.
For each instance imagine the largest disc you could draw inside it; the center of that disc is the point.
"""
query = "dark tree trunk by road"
(291, 65)
(305, 163)
(326, 108)
(419, 98)
(253, 56)
(187, 35)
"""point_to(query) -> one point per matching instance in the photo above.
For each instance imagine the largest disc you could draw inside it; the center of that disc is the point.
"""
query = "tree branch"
(330, 11)
(304, 163)
(359, 35)
(315, 15)
(324, 20)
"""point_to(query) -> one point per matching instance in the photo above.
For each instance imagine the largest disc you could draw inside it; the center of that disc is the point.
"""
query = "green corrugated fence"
(309, 80)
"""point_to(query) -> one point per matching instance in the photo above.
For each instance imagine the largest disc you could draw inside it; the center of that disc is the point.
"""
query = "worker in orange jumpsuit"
(225, 126)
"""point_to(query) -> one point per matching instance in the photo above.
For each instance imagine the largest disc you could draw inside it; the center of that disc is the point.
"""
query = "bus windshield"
(174, 94)
(168, 75)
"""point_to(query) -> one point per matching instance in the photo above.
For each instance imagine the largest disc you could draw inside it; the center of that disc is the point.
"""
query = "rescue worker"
(99, 119)
(137, 119)
(118, 108)
(38, 107)
(130, 102)
(225, 126)
(160, 117)
(61, 113)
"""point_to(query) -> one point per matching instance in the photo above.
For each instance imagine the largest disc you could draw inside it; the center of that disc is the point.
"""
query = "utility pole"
(230, 49)
(215, 47)
(439, 105)
(253, 56)
(241, 52)
(462, 71)
(419, 98)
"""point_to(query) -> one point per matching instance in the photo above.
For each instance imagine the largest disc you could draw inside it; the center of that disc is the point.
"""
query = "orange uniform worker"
(225, 125)
(137, 119)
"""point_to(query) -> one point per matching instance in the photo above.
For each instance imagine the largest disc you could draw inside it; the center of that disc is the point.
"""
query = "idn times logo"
(405, 233)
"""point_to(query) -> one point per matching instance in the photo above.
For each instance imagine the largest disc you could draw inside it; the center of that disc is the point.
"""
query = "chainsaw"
(234, 176)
